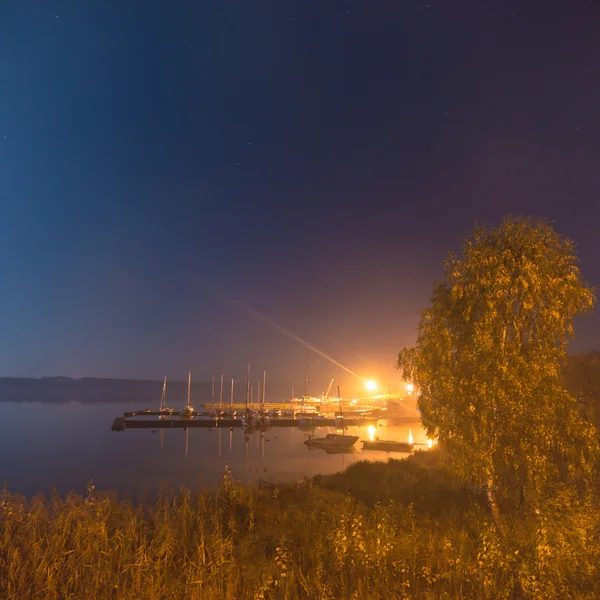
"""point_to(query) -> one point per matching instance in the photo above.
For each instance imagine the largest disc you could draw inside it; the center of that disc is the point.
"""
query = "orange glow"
(371, 385)
(371, 430)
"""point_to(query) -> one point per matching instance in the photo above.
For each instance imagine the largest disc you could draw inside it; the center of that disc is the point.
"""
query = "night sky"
(314, 160)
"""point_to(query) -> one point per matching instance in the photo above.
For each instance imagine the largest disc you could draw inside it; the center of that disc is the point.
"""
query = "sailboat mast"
(341, 413)
(212, 397)
(189, 386)
(232, 380)
(248, 387)
(328, 389)
(163, 397)
(264, 387)
(305, 384)
(221, 394)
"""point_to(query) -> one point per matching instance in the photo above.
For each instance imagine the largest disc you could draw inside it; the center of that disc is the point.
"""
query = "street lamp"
(370, 385)
(410, 388)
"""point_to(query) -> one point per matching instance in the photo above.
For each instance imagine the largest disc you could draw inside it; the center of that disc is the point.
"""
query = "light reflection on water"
(65, 445)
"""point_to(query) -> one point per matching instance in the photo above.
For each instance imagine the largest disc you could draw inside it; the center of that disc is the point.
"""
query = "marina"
(122, 423)
(152, 450)
(325, 426)
(307, 414)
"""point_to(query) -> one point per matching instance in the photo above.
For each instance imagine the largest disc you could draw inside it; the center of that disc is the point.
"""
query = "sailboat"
(188, 411)
(164, 410)
(334, 441)
(390, 445)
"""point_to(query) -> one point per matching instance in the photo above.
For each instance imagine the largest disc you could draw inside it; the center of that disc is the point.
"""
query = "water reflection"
(371, 430)
(66, 445)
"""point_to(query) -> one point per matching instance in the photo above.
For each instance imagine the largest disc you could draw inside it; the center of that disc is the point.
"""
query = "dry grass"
(299, 541)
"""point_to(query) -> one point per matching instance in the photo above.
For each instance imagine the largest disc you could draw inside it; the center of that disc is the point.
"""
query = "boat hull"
(332, 441)
(388, 446)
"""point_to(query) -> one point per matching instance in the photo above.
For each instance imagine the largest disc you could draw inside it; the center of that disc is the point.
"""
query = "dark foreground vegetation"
(402, 529)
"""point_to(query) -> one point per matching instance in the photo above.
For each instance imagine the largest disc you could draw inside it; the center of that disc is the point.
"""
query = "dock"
(123, 423)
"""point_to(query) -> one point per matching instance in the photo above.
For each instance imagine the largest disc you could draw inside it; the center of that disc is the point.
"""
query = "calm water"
(65, 445)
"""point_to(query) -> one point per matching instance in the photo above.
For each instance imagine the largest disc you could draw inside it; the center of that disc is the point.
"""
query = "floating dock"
(122, 423)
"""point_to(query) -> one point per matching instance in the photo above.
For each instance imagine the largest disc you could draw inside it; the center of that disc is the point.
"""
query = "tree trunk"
(491, 495)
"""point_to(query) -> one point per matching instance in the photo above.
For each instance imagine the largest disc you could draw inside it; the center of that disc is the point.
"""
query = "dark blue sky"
(314, 159)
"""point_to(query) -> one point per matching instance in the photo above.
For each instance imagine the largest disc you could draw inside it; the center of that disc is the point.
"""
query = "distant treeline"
(580, 373)
(91, 389)
(146, 393)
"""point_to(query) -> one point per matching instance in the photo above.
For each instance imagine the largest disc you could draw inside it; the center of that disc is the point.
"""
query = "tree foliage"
(487, 362)
(580, 374)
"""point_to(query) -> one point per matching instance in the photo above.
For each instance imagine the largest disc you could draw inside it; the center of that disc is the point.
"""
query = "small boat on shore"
(387, 445)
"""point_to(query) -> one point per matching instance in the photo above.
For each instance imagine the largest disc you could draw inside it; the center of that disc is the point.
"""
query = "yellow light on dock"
(410, 437)
(371, 385)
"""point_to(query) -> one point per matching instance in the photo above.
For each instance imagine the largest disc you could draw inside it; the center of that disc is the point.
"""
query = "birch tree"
(487, 363)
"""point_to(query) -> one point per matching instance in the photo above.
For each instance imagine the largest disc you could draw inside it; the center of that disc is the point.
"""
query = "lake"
(64, 445)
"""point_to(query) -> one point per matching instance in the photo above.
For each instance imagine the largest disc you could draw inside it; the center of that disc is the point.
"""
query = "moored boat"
(387, 445)
(332, 440)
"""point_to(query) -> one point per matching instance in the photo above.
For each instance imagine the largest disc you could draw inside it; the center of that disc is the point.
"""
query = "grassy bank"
(403, 529)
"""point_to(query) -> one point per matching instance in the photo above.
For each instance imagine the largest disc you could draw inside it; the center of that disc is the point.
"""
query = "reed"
(325, 539)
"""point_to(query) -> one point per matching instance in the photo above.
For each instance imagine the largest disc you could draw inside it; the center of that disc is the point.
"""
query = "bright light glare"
(430, 443)
(410, 388)
(370, 385)
(410, 437)
(371, 430)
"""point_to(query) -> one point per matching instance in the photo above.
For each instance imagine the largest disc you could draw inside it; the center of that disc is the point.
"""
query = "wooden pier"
(211, 409)
(123, 423)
